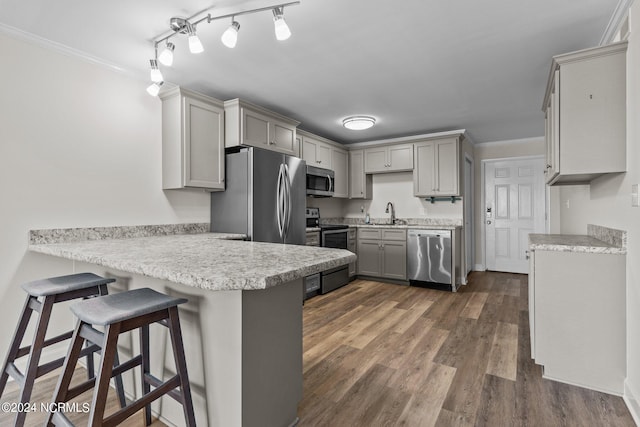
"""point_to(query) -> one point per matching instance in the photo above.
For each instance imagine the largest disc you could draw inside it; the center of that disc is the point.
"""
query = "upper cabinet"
(585, 113)
(437, 168)
(388, 158)
(324, 153)
(192, 141)
(250, 124)
(359, 182)
(315, 152)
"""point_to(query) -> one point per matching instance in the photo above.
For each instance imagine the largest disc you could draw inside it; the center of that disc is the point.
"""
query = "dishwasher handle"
(429, 233)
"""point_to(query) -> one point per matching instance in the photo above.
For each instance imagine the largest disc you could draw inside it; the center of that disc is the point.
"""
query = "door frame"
(469, 200)
(483, 199)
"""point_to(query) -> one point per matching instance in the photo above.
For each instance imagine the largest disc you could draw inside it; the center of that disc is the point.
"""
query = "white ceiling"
(418, 66)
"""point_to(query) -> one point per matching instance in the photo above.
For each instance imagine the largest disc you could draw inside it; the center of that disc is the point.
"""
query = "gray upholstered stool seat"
(117, 314)
(124, 306)
(42, 296)
(60, 284)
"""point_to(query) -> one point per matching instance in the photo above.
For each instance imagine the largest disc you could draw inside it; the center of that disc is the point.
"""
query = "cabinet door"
(424, 174)
(400, 157)
(375, 160)
(323, 156)
(553, 148)
(309, 149)
(203, 145)
(340, 166)
(282, 138)
(369, 257)
(447, 168)
(394, 260)
(356, 174)
(352, 246)
(255, 128)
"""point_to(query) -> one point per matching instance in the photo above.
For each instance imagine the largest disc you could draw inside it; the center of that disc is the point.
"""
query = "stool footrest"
(60, 419)
(129, 364)
(14, 373)
(25, 350)
(55, 364)
(134, 407)
(157, 382)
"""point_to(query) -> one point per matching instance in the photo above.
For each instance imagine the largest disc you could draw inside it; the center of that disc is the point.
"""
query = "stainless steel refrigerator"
(265, 197)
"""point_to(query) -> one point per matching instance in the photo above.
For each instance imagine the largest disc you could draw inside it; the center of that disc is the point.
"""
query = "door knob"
(489, 222)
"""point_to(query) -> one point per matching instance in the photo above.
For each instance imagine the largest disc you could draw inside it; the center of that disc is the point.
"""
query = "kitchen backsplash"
(449, 222)
(611, 236)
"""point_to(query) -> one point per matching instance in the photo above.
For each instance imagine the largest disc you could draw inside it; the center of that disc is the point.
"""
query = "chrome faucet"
(393, 212)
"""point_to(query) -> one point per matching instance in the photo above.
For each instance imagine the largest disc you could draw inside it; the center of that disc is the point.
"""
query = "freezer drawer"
(429, 256)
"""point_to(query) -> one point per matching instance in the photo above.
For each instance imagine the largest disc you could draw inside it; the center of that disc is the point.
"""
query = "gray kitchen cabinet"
(340, 167)
(250, 124)
(382, 253)
(585, 110)
(353, 247)
(315, 152)
(577, 318)
(359, 182)
(193, 140)
(437, 168)
(388, 158)
(313, 238)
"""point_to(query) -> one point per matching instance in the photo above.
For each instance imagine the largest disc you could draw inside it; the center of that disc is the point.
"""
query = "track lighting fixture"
(155, 74)
(154, 88)
(166, 56)
(230, 36)
(280, 25)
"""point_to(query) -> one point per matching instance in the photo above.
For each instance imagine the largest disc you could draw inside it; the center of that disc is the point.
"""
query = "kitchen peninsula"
(249, 305)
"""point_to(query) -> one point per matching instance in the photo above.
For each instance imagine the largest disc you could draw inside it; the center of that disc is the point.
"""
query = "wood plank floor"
(387, 355)
(377, 354)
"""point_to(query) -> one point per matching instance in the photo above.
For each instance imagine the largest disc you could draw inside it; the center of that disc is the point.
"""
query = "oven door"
(335, 238)
(319, 182)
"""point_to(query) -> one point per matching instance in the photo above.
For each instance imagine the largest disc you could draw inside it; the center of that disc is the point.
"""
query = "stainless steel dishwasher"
(429, 256)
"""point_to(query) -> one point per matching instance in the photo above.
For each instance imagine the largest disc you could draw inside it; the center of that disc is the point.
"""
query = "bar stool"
(120, 313)
(41, 296)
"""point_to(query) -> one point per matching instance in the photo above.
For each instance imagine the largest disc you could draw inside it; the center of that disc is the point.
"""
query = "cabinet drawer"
(369, 233)
(390, 234)
(313, 238)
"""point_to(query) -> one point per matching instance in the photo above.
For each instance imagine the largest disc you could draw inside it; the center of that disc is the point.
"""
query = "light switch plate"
(634, 196)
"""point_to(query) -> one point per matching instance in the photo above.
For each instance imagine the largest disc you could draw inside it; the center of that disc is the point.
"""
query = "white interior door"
(514, 207)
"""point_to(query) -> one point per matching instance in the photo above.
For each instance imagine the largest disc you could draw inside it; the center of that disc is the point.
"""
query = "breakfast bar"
(244, 350)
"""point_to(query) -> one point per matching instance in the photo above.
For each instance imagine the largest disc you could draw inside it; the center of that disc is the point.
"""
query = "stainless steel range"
(331, 236)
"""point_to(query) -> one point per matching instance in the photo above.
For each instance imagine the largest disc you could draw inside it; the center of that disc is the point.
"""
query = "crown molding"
(411, 138)
(510, 142)
(42, 42)
(618, 16)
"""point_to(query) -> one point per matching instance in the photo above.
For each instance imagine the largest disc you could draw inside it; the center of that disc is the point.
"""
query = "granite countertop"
(203, 260)
(608, 241)
(312, 229)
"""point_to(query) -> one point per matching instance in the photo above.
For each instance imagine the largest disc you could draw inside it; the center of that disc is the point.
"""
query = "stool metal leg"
(15, 344)
(109, 350)
(181, 366)
(146, 387)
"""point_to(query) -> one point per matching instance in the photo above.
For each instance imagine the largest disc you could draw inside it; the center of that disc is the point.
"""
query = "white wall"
(80, 145)
(607, 201)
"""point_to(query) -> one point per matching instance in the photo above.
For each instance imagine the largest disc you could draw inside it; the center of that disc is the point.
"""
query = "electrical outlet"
(634, 196)
(361, 208)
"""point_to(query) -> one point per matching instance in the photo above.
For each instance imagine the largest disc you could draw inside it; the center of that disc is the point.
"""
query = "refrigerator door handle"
(279, 202)
(287, 186)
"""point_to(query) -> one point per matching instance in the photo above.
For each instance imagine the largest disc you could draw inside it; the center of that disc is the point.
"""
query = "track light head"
(280, 25)
(195, 45)
(230, 36)
(155, 74)
(166, 56)
(154, 89)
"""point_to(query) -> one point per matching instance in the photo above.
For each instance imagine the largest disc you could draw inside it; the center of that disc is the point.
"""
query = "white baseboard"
(479, 267)
(632, 402)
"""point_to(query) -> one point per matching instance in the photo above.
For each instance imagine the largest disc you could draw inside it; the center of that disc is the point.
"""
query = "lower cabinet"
(382, 253)
(577, 318)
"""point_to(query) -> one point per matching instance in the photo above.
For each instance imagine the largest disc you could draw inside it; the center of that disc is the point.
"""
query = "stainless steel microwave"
(320, 182)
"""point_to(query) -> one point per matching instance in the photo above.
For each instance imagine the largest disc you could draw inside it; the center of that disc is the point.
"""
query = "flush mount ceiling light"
(358, 122)
(187, 26)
